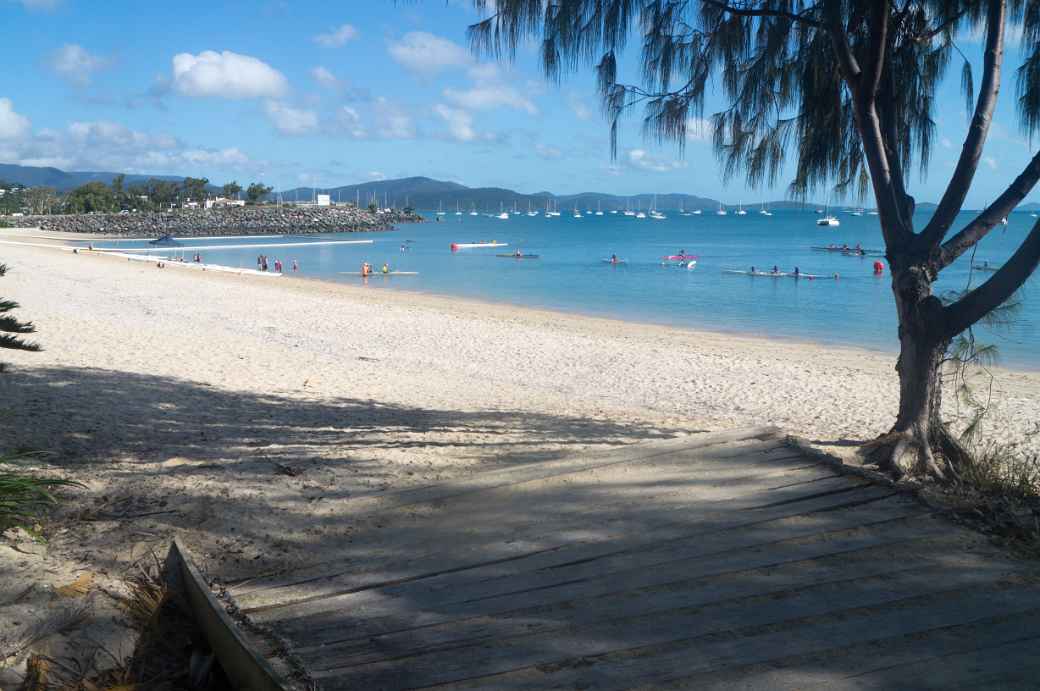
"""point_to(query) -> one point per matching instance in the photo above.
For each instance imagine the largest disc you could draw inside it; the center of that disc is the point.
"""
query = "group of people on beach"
(263, 265)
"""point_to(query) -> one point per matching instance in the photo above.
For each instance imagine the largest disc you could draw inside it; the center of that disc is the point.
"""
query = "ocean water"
(569, 275)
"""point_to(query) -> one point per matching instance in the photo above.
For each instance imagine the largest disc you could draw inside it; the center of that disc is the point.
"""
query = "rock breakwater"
(249, 220)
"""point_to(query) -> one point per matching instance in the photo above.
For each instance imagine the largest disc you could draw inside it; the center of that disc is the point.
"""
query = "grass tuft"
(23, 495)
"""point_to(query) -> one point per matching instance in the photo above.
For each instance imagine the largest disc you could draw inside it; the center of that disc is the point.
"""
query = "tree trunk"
(918, 436)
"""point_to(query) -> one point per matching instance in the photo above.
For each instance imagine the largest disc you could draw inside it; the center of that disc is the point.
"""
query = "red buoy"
(879, 268)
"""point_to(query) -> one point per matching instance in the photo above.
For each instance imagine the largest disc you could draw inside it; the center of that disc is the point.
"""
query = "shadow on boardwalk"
(397, 547)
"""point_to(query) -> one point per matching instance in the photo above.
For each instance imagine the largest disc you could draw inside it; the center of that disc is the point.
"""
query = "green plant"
(23, 495)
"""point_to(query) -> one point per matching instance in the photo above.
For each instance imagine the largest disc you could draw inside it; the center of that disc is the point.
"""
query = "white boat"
(696, 212)
(827, 219)
(740, 210)
(1004, 221)
(577, 214)
(722, 211)
(473, 211)
(468, 245)
(599, 208)
(458, 212)
(440, 208)
(764, 211)
(657, 215)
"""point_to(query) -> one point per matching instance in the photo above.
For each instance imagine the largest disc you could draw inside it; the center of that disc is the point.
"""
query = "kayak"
(468, 245)
(615, 262)
(985, 267)
(380, 273)
(779, 274)
(517, 256)
(680, 257)
(851, 251)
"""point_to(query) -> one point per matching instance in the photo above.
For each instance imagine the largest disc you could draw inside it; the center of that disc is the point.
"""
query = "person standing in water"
(386, 268)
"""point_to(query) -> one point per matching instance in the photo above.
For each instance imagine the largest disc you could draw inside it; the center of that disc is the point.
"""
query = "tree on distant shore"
(90, 198)
(11, 329)
(257, 191)
(39, 200)
(232, 189)
(195, 189)
(847, 89)
(162, 193)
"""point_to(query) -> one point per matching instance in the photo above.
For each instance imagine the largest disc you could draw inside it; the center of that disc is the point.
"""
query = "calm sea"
(570, 275)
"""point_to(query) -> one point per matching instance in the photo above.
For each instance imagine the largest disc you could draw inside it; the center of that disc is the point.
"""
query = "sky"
(325, 94)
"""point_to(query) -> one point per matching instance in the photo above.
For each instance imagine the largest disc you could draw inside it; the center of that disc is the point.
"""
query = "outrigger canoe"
(851, 251)
(779, 274)
(380, 273)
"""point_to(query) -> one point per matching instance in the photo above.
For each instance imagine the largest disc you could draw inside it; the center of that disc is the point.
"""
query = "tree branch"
(971, 153)
(879, 43)
(997, 289)
(980, 226)
(750, 12)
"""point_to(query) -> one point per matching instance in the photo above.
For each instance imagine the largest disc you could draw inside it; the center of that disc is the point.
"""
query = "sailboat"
(654, 213)
(502, 214)
(764, 211)
(599, 208)
(530, 211)
(440, 208)
(827, 219)
(740, 210)
(722, 210)
(473, 210)
(457, 211)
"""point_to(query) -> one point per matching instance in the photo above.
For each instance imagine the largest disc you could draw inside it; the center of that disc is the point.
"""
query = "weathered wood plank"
(873, 660)
(759, 464)
(658, 664)
(487, 536)
(545, 588)
(814, 580)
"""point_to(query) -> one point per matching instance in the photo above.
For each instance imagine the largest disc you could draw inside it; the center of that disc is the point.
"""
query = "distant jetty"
(248, 220)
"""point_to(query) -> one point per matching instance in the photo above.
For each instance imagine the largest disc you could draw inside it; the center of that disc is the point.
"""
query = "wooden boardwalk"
(725, 561)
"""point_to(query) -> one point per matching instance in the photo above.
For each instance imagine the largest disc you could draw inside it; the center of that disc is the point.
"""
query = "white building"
(324, 200)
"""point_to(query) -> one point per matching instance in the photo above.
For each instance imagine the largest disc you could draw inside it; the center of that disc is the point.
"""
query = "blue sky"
(333, 93)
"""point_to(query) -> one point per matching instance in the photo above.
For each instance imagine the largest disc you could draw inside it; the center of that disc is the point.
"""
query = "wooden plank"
(763, 458)
(350, 588)
(657, 665)
(624, 652)
(543, 588)
(897, 566)
(525, 526)
(866, 665)
(240, 660)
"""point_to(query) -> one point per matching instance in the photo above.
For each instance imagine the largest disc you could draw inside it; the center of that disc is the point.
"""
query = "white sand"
(183, 398)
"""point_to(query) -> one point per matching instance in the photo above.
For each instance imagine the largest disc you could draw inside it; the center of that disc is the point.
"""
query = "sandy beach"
(242, 414)
(215, 406)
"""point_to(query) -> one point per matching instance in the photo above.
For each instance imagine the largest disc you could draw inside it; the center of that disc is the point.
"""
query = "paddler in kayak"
(797, 273)
(776, 269)
(613, 259)
(518, 254)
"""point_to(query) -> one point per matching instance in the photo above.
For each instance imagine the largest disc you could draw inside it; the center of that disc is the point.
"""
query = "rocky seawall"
(248, 220)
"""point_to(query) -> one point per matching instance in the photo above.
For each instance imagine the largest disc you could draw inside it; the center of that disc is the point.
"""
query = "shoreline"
(479, 307)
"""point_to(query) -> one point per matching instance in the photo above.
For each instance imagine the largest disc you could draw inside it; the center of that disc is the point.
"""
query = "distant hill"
(32, 176)
(426, 193)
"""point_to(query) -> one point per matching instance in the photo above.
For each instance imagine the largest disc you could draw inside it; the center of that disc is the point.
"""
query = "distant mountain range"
(32, 176)
(426, 193)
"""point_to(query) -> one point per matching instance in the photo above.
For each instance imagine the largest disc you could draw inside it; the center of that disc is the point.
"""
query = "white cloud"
(375, 175)
(348, 120)
(486, 96)
(12, 125)
(698, 130)
(990, 161)
(337, 37)
(226, 74)
(426, 54)
(483, 72)
(641, 160)
(75, 64)
(324, 77)
(105, 145)
(946, 143)
(392, 121)
(549, 153)
(289, 120)
(459, 122)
